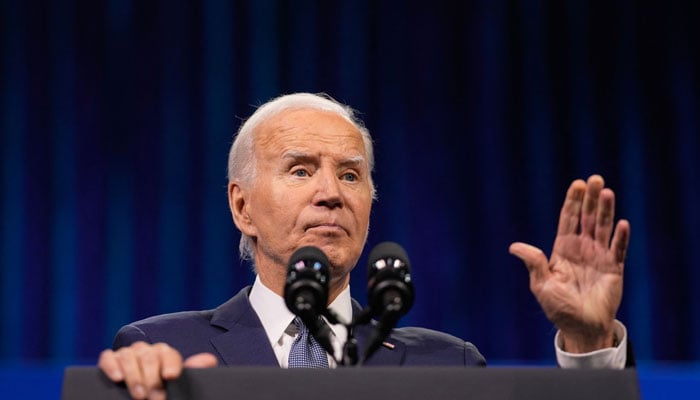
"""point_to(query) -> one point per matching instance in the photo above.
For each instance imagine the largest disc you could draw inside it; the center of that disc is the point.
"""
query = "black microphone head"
(387, 251)
(307, 253)
(389, 285)
(306, 288)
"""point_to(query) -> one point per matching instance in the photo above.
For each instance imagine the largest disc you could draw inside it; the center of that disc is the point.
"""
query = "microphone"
(306, 291)
(389, 288)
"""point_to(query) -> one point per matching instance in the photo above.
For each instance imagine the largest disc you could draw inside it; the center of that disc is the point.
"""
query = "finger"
(149, 362)
(621, 240)
(534, 259)
(110, 366)
(605, 217)
(133, 377)
(201, 360)
(570, 214)
(157, 394)
(590, 204)
(154, 361)
(170, 361)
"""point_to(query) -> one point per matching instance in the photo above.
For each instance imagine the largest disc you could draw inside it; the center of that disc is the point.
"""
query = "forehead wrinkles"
(288, 131)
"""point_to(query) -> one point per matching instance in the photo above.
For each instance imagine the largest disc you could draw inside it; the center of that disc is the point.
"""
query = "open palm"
(580, 286)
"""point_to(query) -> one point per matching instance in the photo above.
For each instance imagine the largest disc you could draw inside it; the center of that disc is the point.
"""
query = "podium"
(408, 383)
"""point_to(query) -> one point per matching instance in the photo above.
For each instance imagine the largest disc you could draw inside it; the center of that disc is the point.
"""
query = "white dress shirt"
(612, 357)
(277, 321)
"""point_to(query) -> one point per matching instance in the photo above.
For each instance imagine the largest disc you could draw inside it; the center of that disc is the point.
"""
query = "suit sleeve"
(472, 356)
(631, 362)
(127, 335)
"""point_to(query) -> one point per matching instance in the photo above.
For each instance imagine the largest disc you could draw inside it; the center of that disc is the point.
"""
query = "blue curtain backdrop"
(116, 118)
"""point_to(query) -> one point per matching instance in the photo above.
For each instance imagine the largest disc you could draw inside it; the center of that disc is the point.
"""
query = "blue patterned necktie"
(306, 352)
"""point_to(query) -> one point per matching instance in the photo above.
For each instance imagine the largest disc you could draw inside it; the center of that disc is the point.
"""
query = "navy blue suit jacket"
(234, 334)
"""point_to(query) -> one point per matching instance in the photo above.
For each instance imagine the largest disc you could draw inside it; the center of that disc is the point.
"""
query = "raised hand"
(580, 286)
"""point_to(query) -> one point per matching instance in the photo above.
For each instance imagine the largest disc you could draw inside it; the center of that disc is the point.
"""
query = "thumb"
(201, 360)
(534, 259)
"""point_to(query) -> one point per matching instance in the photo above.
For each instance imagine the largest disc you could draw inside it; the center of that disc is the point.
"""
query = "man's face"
(312, 187)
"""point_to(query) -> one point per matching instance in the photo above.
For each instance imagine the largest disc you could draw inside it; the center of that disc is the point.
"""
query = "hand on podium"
(144, 367)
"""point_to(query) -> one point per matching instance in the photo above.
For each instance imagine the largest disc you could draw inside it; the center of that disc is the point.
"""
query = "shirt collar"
(276, 317)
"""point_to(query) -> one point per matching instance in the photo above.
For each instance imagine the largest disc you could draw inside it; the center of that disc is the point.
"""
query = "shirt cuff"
(612, 357)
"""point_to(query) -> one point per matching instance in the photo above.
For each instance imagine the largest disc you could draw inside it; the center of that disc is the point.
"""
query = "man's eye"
(300, 173)
(350, 177)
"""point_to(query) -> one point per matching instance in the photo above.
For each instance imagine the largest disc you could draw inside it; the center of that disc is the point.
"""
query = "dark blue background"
(116, 118)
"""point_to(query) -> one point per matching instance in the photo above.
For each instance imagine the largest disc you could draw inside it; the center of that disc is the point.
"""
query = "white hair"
(241, 158)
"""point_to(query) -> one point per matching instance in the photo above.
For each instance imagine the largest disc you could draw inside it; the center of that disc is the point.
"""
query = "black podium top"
(372, 383)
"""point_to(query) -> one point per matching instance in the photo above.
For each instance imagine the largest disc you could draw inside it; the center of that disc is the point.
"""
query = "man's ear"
(238, 202)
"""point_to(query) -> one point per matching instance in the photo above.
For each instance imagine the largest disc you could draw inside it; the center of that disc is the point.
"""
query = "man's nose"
(328, 191)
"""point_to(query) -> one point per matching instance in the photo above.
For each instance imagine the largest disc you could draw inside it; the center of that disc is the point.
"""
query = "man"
(300, 174)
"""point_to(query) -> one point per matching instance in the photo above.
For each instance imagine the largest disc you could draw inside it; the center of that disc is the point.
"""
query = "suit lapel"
(390, 354)
(245, 341)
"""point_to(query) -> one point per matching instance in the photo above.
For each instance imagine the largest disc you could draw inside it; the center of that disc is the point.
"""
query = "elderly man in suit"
(300, 174)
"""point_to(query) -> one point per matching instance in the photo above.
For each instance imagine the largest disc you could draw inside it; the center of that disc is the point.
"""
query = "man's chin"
(339, 250)
(327, 243)
(339, 257)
